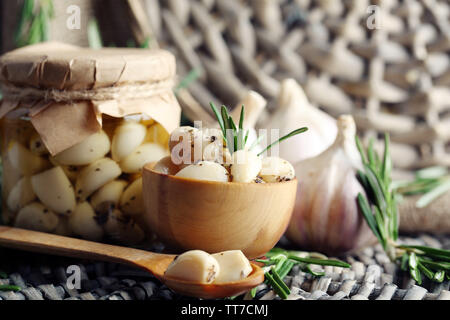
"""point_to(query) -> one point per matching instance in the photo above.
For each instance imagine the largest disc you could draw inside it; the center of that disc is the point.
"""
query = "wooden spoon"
(152, 262)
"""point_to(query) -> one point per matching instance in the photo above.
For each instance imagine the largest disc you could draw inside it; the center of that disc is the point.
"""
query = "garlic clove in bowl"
(216, 216)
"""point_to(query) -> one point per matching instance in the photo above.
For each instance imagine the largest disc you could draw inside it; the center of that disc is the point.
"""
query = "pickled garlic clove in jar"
(54, 190)
(94, 147)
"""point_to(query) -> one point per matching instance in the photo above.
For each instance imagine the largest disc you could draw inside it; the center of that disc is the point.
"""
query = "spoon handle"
(63, 246)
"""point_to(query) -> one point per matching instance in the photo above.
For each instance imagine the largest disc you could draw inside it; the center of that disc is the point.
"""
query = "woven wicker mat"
(372, 276)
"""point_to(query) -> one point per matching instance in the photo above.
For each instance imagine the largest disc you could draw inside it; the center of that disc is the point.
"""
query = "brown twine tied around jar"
(129, 91)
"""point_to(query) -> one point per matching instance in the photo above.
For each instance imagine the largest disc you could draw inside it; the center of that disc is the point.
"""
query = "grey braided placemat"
(372, 276)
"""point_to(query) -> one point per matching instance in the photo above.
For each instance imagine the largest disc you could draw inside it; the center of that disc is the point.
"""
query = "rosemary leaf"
(368, 215)
(429, 250)
(314, 273)
(404, 263)
(219, 118)
(286, 268)
(246, 138)
(241, 118)
(395, 218)
(280, 281)
(266, 262)
(439, 276)
(289, 135)
(415, 274)
(412, 260)
(253, 292)
(361, 150)
(276, 286)
(437, 265)
(9, 288)
(387, 163)
(427, 272)
(371, 155)
(280, 263)
(376, 187)
(431, 195)
(432, 172)
(322, 262)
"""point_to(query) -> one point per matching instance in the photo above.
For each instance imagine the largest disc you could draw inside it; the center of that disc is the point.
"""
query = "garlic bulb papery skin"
(326, 216)
(295, 111)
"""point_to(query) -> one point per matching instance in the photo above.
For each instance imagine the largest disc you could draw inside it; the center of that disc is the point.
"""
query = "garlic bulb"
(326, 216)
(294, 111)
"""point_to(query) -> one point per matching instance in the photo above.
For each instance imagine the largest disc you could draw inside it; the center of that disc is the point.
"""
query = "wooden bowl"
(216, 216)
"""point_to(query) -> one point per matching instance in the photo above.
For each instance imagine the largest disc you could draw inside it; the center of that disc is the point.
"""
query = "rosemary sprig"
(281, 262)
(430, 182)
(236, 137)
(379, 208)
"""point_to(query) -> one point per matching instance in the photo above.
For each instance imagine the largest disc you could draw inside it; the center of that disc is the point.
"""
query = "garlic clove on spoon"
(326, 217)
(234, 266)
(195, 265)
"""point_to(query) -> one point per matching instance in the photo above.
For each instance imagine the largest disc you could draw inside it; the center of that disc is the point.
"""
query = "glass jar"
(76, 130)
(92, 190)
